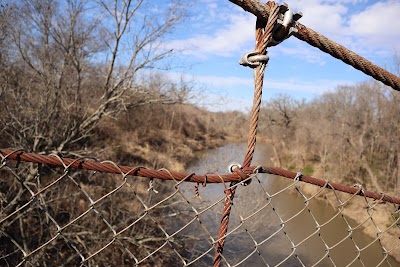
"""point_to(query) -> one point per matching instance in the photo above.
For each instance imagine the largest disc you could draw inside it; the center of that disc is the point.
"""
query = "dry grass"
(166, 135)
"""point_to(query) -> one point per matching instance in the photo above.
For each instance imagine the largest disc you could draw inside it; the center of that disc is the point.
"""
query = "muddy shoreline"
(324, 205)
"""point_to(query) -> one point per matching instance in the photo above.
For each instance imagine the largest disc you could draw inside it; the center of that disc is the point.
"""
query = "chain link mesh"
(74, 216)
(52, 216)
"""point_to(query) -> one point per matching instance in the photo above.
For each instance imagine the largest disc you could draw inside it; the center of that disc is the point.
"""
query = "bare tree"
(75, 62)
(349, 134)
(280, 114)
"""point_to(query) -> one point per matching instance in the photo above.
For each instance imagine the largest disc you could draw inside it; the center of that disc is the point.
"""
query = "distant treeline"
(348, 135)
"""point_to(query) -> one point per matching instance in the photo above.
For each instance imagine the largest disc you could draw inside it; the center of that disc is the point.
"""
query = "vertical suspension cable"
(263, 36)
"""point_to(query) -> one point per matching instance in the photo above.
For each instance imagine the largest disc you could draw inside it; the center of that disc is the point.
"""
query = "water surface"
(272, 222)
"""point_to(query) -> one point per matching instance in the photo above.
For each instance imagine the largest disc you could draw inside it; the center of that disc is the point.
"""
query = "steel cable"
(326, 45)
(106, 167)
(263, 36)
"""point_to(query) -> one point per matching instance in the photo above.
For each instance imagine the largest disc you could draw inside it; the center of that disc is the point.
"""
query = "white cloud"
(217, 93)
(226, 90)
(214, 102)
(321, 16)
(369, 29)
(372, 31)
(223, 81)
(346, 1)
(295, 48)
(315, 87)
(290, 84)
(223, 41)
(378, 24)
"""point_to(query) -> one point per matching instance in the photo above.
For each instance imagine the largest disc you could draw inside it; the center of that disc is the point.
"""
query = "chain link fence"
(57, 211)
(53, 216)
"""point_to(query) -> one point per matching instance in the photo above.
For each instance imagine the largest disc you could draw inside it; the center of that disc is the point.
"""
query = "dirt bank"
(166, 136)
(376, 219)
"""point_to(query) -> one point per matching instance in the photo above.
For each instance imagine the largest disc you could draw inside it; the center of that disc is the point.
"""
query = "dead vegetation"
(347, 136)
(80, 79)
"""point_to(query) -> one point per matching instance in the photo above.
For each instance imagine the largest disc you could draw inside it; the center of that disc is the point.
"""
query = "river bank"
(375, 219)
(287, 202)
(174, 138)
(166, 136)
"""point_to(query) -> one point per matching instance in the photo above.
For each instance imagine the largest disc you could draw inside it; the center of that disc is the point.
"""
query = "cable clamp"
(285, 24)
(298, 177)
(237, 168)
(253, 59)
(233, 166)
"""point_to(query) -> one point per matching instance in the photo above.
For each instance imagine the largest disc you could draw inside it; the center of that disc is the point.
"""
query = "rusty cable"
(106, 167)
(333, 186)
(326, 45)
(347, 56)
(263, 35)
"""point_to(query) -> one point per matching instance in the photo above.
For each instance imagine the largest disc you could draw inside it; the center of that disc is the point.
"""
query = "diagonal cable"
(326, 45)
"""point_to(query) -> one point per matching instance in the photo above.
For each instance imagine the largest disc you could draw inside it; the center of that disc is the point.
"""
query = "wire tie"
(360, 188)
(151, 186)
(204, 184)
(196, 192)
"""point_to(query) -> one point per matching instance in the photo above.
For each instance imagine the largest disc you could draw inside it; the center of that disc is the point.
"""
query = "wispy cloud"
(224, 40)
(298, 49)
(373, 29)
(229, 89)
(232, 83)
(378, 25)
(220, 32)
(320, 15)
(214, 102)
(313, 88)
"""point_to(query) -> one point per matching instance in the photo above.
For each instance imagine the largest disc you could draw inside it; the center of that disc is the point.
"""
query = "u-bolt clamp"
(253, 59)
(284, 27)
(237, 168)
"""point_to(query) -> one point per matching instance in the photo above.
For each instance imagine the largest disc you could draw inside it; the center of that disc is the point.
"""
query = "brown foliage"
(67, 85)
(348, 135)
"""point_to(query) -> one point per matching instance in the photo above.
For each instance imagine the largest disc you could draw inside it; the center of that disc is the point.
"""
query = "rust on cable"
(263, 35)
(274, 24)
(326, 45)
(347, 56)
(106, 167)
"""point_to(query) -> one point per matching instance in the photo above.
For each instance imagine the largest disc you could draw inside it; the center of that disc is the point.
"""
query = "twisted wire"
(326, 45)
(263, 35)
(107, 167)
(347, 56)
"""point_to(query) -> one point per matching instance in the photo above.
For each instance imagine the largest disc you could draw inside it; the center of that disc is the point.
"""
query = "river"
(262, 219)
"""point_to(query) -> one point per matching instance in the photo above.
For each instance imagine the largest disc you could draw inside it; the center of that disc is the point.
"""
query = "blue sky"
(217, 33)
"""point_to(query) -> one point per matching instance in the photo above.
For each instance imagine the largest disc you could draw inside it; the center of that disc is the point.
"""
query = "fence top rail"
(163, 174)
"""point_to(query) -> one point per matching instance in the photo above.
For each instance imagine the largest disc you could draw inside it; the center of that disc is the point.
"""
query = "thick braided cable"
(223, 228)
(326, 45)
(347, 56)
(263, 35)
(108, 167)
